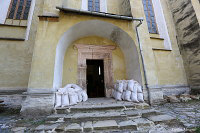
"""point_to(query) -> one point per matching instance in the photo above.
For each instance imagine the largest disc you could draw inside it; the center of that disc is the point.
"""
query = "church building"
(47, 44)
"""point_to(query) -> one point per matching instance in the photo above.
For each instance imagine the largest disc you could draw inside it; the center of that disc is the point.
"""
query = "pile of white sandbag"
(128, 90)
(70, 95)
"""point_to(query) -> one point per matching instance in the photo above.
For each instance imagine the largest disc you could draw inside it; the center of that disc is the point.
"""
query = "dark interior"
(95, 78)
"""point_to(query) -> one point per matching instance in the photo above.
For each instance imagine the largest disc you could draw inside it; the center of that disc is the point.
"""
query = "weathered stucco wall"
(152, 57)
(188, 30)
(16, 56)
(164, 67)
(42, 72)
(71, 60)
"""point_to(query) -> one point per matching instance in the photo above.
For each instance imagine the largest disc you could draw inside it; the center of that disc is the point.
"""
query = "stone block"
(195, 97)
(74, 127)
(173, 99)
(38, 104)
(142, 122)
(161, 119)
(88, 126)
(18, 129)
(132, 112)
(46, 127)
(61, 128)
(128, 125)
(149, 112)
(104, 125)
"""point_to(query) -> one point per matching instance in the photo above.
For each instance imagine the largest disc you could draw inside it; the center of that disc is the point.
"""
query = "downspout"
(143, 65)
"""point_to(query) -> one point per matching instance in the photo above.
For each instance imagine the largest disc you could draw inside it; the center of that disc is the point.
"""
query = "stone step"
(162, 119)
(141, 112)
(98, 126)
(91, 116)
(89, 108)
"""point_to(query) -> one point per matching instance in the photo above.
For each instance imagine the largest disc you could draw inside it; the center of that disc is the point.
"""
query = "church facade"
(47, 44)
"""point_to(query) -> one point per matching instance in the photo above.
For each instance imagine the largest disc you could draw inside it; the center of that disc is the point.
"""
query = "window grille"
(19, 9)
(150, 16)
(94, 5)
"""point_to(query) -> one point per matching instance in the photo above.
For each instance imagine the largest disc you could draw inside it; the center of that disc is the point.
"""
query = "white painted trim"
(161, 23)
(30, 17)
(84, 5)
(103, 5)
(4, 6)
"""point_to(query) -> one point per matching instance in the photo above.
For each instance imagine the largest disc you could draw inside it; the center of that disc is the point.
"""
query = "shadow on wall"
(102, 29)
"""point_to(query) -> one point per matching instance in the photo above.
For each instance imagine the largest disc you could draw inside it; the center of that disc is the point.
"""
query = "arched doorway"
(102, 29)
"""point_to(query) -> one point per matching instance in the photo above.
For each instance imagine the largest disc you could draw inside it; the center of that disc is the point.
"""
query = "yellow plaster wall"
(48, 35)
(49, 7)
(169, 69)
(71, 59)
(16, 56)
(76, 4)
(162, 66)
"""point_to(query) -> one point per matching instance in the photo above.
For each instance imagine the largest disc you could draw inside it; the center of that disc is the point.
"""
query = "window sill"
(162, 49)
(12, 39)
(157, 38)
(12, 25)
(13, 22)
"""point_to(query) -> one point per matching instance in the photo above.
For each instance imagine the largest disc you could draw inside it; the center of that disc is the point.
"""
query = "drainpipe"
(143, 65)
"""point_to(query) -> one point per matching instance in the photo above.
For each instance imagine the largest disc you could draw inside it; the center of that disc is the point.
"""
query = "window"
(19, 9)
(150, 16)
(94, 5)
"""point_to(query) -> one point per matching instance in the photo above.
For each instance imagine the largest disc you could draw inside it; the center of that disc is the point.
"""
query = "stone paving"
(188, 113)
(135, 118)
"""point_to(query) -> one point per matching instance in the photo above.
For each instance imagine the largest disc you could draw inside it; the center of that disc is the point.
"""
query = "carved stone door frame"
(96, 52)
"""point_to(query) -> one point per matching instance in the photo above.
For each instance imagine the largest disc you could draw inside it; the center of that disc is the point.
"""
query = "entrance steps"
(97, 115)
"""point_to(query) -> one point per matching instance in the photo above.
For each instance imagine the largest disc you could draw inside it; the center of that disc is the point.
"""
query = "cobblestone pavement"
(188, 113)
(6, 122)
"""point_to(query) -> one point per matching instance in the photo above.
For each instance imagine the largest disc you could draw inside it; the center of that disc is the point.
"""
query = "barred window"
(19, 9)
(94, 5)
(150, 16)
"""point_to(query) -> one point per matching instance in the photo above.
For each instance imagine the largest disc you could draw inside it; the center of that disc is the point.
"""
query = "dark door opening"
(95, 78)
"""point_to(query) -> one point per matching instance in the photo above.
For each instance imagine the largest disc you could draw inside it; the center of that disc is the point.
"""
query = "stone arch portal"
(102, 29)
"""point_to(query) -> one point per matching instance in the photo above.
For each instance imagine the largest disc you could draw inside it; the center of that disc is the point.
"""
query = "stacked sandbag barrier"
(70, 95)
(128, 90)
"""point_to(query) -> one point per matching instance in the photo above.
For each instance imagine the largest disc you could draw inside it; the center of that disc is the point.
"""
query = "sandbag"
(70, 90)
(130, 85)
(58, 99)
(113, 93)
(80, 98)
(120, 88)
(72, 98)
(134, 97)
(140, 97)
(135, 87)
(68, 86)
(125, 85)
(128, 95)
(65, 99)
(119, 81)
(76, 97)
(76, 87)
(61, 90)
(118, 96)
(84, 95)
(123, 95)
(139, 88)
